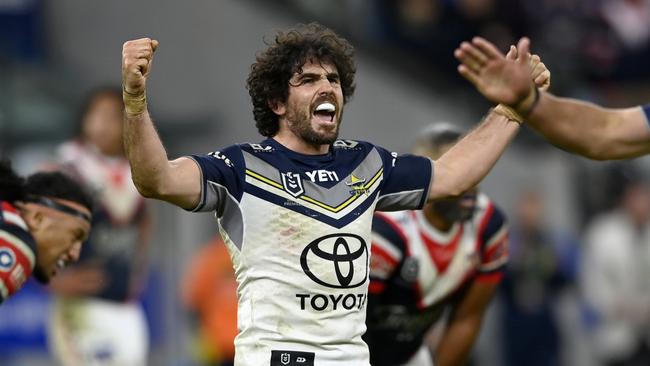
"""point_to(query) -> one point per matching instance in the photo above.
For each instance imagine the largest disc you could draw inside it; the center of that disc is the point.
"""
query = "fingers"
(468, 74)
(487, 48)
(523, 49)
(137, 56)
(543, 81)
(512, 53)
(470, 56)
(154, 44)
(534, 61)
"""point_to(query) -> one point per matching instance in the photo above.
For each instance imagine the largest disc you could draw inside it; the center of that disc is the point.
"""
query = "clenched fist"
(137, 56)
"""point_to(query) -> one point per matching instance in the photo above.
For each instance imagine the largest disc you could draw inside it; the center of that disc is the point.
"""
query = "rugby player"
(43, 222)
(295, 210)
(447, 257)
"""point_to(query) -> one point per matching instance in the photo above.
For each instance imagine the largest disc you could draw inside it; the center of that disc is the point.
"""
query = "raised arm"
(469, 161)
(177, 181)
(579, 127)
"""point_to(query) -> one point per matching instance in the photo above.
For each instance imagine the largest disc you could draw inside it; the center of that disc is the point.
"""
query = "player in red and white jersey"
(448, 256)
(43, 221)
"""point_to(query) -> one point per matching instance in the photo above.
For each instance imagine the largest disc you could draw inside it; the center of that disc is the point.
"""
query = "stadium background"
(52, 52)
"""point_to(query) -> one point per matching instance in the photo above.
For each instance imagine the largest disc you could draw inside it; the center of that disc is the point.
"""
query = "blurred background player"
(96, 318)
(210, 294)
(615, 273)
(448, 257)
(542, 264)
(43, 223)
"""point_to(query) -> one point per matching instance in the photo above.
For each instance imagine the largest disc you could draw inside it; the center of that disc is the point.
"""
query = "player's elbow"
(148, 188)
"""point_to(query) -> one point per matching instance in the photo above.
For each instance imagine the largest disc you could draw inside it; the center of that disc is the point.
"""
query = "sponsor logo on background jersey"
(7, 259)
(292, 183)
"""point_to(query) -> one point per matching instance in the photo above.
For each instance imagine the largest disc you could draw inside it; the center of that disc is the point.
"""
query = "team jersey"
(298, 231)
(17, 251)
(115, 241)
(417, 270)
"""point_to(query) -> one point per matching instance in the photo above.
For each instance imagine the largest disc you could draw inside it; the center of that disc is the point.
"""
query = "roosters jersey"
(17, 251)
(115, 241)
(416, 270)
(298, 231)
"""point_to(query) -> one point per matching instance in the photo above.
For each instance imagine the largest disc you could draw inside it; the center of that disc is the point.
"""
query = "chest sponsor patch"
(292, 358)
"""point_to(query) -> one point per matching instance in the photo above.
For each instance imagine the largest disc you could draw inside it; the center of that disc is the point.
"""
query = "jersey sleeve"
(407, 179)
(222, 174)
(387, 251)
(494, 245)
(17, 258)
(646, 110)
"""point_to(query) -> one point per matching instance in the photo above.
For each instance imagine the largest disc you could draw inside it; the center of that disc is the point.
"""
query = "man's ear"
(33, 217)
(277, 107)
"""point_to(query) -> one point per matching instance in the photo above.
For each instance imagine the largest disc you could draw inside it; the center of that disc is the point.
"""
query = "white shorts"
(421, 358)
(93, 332)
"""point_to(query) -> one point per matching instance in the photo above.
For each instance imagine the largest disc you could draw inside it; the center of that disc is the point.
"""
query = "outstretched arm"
(589, 130)
(177, 181)
(469, 161)
(579, 127)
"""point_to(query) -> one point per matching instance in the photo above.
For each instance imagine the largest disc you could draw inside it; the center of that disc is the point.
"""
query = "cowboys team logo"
(336, 261)
(357, 185)
(292, 183)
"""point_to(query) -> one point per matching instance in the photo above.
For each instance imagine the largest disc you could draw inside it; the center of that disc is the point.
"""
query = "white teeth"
(327, 107)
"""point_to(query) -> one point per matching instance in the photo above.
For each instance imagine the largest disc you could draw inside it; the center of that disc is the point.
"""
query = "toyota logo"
(336, 261)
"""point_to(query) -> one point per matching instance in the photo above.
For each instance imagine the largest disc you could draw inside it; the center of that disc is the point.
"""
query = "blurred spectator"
(542, 263)
(615, 277)
(96, 318)
(210, 294)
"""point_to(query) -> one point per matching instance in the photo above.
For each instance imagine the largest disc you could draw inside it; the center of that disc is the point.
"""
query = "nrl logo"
(356, 185)
(292, 183)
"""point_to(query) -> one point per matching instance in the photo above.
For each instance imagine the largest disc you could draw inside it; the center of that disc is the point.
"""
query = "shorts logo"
(292, 358)
(7, 259)
(292, 183)
(345, 254)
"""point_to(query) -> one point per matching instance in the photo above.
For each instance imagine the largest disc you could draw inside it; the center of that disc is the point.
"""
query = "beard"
(300, 125)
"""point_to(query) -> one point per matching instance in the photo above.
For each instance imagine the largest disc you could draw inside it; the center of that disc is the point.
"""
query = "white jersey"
(298, 229)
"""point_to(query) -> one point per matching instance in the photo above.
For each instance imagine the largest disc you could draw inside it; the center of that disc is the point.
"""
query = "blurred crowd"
(570, 297)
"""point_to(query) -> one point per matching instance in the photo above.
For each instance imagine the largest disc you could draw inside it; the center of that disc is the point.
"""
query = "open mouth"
(325, 112)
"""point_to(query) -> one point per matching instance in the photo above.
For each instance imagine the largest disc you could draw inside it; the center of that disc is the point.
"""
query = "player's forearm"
(469, 161)
(146, 154)
(587, 129)
(456, 344)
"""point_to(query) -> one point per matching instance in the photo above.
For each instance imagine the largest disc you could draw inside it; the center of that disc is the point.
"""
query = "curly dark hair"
(268, 80)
